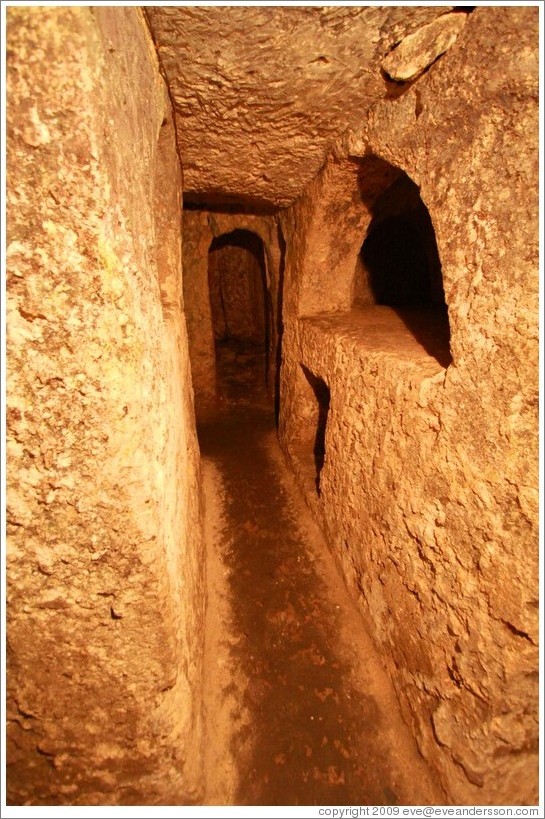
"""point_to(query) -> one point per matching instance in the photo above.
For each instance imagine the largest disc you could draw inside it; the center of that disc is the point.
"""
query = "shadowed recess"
(240, 308)
(399, 264)
(323, 397)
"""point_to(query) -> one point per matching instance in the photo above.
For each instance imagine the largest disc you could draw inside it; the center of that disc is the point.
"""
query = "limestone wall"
(105, 595)
(428, 490)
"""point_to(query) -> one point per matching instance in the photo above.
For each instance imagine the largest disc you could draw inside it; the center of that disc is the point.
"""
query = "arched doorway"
(240, 308)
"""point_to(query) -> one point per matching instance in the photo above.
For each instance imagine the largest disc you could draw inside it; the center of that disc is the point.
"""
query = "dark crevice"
(323, 397)
(222, 203)
(394, 88)
(279, 323)
(418, 106)
(517, 632)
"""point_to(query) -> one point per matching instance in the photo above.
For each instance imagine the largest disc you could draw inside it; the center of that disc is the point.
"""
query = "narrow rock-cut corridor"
(299, 711)
(272, 406)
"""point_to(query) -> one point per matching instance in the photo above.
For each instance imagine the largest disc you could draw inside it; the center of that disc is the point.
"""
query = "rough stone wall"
(200, 228)
(429, 488)
(105, 598)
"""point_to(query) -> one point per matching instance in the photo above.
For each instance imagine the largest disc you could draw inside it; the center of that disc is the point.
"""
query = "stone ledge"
(418, 335)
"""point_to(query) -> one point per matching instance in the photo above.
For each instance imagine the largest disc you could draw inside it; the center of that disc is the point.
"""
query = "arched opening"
(399, 265)
(240, 310)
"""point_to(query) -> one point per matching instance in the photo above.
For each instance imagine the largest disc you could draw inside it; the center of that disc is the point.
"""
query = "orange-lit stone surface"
(398, 333)
(104, 565)
(429, 488)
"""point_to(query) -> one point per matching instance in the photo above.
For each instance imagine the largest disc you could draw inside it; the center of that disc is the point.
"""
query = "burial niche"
(399, 265)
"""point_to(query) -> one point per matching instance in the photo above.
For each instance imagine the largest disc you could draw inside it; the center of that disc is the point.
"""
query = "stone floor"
(298, 708)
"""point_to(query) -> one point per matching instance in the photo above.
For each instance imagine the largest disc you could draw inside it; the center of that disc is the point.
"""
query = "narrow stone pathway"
(298, 708)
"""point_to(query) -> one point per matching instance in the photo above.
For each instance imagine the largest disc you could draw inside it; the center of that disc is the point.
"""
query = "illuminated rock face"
(406, 393)
(428, 488)
(104, 599)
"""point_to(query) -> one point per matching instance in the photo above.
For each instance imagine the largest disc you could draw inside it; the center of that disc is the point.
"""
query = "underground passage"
(272, 407)
(239, 303)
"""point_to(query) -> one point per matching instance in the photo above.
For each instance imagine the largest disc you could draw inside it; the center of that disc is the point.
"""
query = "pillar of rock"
(104, 596)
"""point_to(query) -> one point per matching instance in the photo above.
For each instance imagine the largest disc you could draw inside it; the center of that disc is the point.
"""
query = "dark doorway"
(240, 314)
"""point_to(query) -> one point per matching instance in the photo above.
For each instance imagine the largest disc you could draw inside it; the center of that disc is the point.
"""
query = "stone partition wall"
(418, 452)
(105, 593)
(200, 228)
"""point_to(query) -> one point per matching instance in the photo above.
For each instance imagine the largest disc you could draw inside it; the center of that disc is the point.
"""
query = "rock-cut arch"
(371, 242)
(239, 299)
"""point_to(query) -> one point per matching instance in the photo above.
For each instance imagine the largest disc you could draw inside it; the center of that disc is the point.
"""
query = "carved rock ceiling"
(261, 93)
